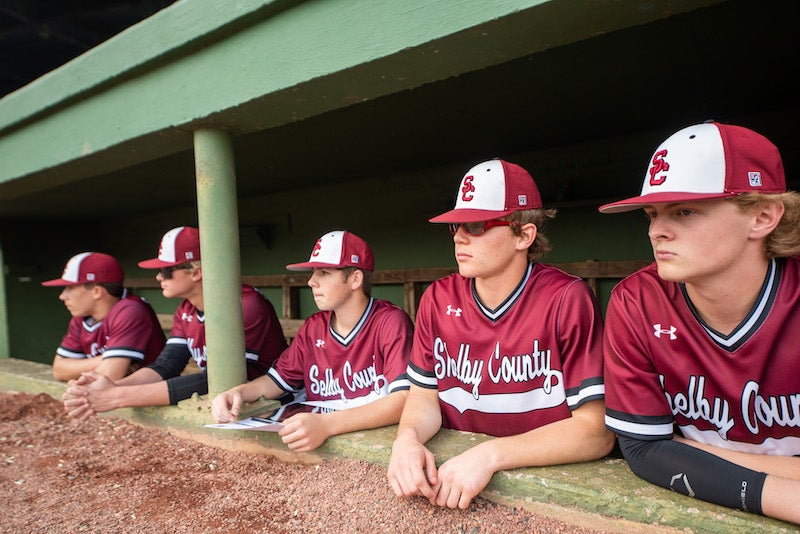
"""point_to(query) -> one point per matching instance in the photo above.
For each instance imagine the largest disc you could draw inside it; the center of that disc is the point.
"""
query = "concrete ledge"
(603, 494)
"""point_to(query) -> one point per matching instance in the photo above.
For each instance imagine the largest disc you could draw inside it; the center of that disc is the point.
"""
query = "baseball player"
(353, 353)
(111, 332)
(161, 383)
(507, 347)
(702, 346)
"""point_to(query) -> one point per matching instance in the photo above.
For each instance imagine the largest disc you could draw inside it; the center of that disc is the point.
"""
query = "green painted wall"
(390, 212)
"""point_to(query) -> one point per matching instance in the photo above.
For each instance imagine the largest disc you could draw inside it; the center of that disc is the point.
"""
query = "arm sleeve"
(694, 472)
(182, 387)
(172, 361)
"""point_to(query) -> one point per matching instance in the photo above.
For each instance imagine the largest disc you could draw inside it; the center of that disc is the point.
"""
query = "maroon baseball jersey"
(515, 368)
(665, 366)
(366, 365)
(130, 330)
(263, 335)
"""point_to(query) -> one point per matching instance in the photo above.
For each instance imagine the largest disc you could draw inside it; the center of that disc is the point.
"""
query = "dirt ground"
(109, 475)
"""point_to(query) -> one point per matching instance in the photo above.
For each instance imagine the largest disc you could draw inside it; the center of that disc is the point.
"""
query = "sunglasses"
(166, 272)
(478, 228)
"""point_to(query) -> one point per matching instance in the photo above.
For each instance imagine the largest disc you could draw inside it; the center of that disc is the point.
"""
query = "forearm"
(263, 386)
(150, 394)
(382, 412)
(782, 466)
(114, 368)
(580, 438)
(704, 475)
(422, 416)
(145, 375)
(68, 368)
(779, 499)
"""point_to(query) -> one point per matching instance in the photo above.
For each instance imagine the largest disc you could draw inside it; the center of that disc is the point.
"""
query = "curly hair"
(539, 217)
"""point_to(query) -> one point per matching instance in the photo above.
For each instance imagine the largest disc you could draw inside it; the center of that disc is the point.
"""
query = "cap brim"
(307, 266)
(59, 282)
(155, 263)
(462, 216)
(631, 204)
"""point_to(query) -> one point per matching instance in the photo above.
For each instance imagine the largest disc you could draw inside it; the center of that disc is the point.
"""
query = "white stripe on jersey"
(71, 354)
(90, 325)
(354, 332)
(598, 390)
(757, 314)
(425, 381)
(639, 429)
(498, 312)
(124, 353)
(400, 384)
(786, 446)
(273, 374)
(523, 402)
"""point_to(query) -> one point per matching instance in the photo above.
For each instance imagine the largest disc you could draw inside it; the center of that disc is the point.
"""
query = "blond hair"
(784, 240)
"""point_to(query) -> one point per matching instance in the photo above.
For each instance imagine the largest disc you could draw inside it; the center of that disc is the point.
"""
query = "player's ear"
(356, 279)
(766, 217)
(526, 237)
(98, 291)
(197, 273)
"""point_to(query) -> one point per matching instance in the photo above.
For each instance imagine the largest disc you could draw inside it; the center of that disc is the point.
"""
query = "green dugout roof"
(316, 92)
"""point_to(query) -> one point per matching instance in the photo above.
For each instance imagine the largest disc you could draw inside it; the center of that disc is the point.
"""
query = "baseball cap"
(335, 250)
(706, 161)
(89, 268)
(491, 190)
(178, 246)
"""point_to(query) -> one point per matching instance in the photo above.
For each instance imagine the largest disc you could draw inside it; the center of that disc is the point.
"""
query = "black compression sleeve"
(172, 361)
(693, 472)
(183, 387)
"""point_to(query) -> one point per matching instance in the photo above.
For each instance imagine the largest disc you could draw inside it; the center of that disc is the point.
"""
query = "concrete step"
(603, 494)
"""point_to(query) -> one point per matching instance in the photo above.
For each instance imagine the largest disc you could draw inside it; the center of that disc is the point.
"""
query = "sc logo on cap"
(659, 165)
(467, 189)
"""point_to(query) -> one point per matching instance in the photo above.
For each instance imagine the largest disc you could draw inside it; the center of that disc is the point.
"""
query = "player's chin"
(467, 271)
(322, 304)
(670, 272)
(167, 293)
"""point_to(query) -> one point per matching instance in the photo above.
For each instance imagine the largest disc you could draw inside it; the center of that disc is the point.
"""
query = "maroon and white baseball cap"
(89, 268)
(335, 250)
(178, 246)
(706, 161)
(491, 190)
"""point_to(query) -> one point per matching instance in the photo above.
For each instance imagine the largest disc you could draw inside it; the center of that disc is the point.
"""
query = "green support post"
(5, 346)
(219, 246)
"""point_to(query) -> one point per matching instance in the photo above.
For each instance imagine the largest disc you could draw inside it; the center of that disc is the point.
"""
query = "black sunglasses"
(478, 228)
(166, 272)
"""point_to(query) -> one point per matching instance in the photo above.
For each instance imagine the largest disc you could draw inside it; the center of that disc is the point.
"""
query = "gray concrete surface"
(602, 495)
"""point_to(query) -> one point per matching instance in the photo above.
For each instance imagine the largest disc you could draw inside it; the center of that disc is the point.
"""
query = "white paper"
(270, 421)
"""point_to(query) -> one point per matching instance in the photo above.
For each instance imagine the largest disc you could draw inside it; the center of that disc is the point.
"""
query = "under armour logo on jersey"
(658, 331)
(453, 311)
(186, 317)
(320, 343)
(659, 165)
(467, 189)
(680, 483)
